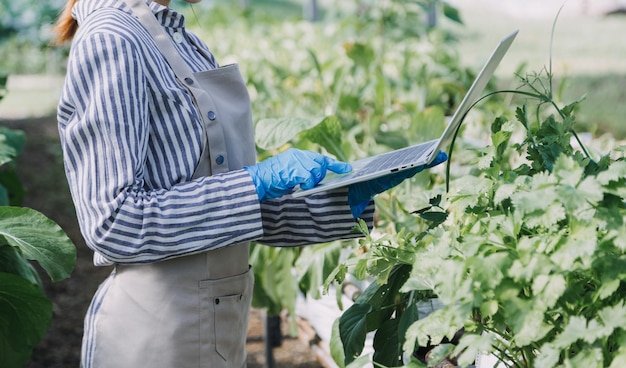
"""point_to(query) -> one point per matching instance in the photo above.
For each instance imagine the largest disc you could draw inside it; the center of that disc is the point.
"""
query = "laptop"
(419, 154)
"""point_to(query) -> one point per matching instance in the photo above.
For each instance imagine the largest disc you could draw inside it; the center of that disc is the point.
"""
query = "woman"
(160, 157)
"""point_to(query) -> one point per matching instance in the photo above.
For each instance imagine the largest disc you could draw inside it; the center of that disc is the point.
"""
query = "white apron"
(192, 311)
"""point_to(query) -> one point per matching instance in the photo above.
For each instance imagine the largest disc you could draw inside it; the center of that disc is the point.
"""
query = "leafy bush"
(25, 235)
(526, 258)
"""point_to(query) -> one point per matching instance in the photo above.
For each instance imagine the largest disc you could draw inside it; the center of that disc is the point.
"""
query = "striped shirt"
(132, 137)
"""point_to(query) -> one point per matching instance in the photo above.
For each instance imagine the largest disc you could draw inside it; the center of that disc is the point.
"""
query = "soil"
(40, 168)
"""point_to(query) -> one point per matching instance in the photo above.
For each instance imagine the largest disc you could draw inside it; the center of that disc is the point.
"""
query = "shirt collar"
(166, 16)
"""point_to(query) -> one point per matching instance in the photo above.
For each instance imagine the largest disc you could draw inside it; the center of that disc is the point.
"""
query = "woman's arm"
(318, 218)
(104, 123)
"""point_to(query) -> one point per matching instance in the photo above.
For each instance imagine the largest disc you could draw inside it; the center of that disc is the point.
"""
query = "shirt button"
(219, 160)
(178, 37)
(189, 80)
(212, 115)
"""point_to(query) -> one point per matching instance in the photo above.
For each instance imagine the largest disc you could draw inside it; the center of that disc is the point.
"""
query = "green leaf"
(613, 316)
(452, 13)
(607, 288)
(38, 239)
(353, 330)
(619, 360)
(489, 308)
(615, 173)
(568, 171)
(25, 315)
(361, 362)
(471, 190)
(275, 286)
(274, 133)
(591, 190)
(548, 356)
(526, 319)
(578, 329)
(12, 262)
(328, 134)
(360, 269)
(378, 295)
(548, 289)
(15, 192)
(14, 138)
(338, 275)
(11, 144)
(589, 358)
(263, 296)
(445, 322)
(486, 159)
(387, 349)
(436, 200)
(7, 153)
(314, 264)
(409, 316)
(580, 245)
(362, 54)
(436, 217)
(336, 345)
(568, 109)
(470, 345)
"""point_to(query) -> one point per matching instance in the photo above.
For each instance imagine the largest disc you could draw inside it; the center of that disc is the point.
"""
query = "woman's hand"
(278, 175)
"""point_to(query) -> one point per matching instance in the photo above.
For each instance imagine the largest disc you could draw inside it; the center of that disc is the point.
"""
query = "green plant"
(527, 258)
(25, 235)
(531, 266)
(349, 102)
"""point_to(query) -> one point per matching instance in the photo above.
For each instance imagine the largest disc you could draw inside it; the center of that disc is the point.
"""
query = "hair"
(66, 26)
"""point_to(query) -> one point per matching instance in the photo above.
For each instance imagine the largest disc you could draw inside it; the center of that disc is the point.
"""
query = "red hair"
(66, 25)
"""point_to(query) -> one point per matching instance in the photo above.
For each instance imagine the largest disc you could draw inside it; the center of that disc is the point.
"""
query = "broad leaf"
(12, 262)
(38, 239)
(328, 134)
(353, 330)
(274, 133)
(379, 295)
(12, 189)
(336, 345)
(11, 144)
(387, 349)
(7, 153)
(25, 314)
(409, 316)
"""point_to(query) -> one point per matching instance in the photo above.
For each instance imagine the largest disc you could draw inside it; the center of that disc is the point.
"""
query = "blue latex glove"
(360, 194)
(278, 175)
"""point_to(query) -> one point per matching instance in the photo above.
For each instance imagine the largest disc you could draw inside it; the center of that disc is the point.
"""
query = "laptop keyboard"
(396, 159)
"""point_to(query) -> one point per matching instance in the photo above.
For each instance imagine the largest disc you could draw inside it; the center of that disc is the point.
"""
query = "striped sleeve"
(105, 140)
(318, 218)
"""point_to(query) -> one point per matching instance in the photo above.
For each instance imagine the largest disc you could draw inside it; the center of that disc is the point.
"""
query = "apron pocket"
(224, 310)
